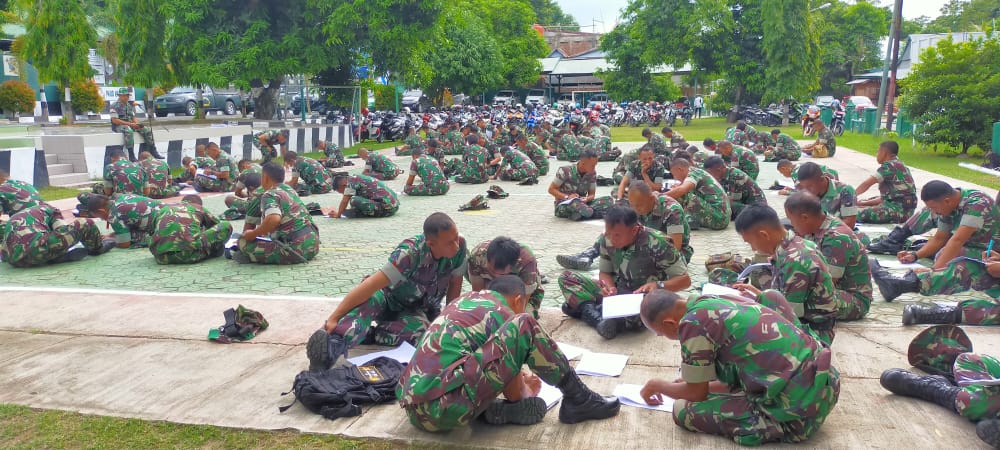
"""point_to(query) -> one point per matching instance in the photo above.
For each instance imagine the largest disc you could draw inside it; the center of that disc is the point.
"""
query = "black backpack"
(339, 391)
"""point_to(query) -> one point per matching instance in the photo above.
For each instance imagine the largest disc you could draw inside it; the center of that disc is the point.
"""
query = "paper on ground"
(403, 353)
(626, 305)
(571, 351)
(188, 192)
(566, 202)
(601, 364)
(946, 303)
(895, 264)
(718, 289)
(630, 394)
(752, 267)
(872, 229)
(550, 394)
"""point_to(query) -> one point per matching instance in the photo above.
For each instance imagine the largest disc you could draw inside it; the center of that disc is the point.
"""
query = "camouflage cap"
(935, 349)
(477, 202)
(123, 91)
(596, 132)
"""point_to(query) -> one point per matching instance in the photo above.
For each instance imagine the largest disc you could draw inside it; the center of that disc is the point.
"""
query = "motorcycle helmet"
(406, 109)
(433, 110)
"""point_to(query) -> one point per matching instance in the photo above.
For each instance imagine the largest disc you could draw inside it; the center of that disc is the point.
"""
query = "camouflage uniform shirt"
(744, 159)
(418, 281)
(16, 196)
(129, 212)
(839, 200)
(157, 173)
(365, 186)
(975, 210)
(845, 256)
(123, 176)
(569, 180)
(652, 257)
(526, 267)
(896, 185)
(312, 174)
(742, 188)
(281, 200)
(669, 218)
(801, 273)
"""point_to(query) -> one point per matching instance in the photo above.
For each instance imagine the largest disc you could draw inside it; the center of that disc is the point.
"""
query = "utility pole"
(897, 20)
(884, 87)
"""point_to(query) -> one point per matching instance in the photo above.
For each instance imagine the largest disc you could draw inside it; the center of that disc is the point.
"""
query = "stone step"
(60, 169)
(69, 179)
(51, 159)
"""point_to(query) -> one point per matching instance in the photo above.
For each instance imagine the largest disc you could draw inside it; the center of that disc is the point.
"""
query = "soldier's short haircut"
(640, 186)
(244, 164)
(681, 161)
(508, 285)
(935, 190)
(340, 179)
(96, 201)
(193, 199)
(417, 151)
(588, 153)
(432, 143)
(645, 148)
(186, 160)
(890, 146)
(754, 216)
(708, 142)
(657, 303)
(212, 144)
(783, 163)
(435, 223)
(683, 155)
(621, 215)
(503, 252)
(809, 171)
(274, 171)
(472, 139)
(775, 131)
(741, 125)
(521, 137)
(291, 156)
(692, 149)
(713, 161)
(667, 130)
(117, 153)
(803, 202)
(145, 155)
(646, 132)
(473, 129)
(725, 143)
(251, 181)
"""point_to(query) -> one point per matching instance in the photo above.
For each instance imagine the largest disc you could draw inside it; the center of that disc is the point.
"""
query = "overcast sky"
(590, 13)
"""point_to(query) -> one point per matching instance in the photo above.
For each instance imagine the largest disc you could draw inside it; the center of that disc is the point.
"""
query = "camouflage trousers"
(852, 305)
(543, 166)
(385, 176)
(50, 245)
(435, 187)
(302, 247)
(579, 289)
(779, 154)
(471, 174)
(742, 419)
(334, 159)
(163, 192)
(129, 134)
(316, 188)
(609, 155)
(814, 322)
(977, 402)
(202, 244)
(487, 370)
(364, 207)
(210, 184)
(885, 213)
(921, 222)
(578, 210)
(708, 214)
(393, 324)
(518, 174)
(961, 276)
(267, 153)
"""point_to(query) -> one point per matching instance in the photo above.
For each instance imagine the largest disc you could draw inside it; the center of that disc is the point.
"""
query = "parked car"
(536, 97)
(824, 100)
(597, 99)
(415, 100)
(505, 97)
(183, 100)
(860, 102)
(317, 104)
(566, 100)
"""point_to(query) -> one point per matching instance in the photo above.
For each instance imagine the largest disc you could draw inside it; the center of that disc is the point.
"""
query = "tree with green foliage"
(57, 41)
(791, 49)
(16, 97)
(143, 51)
(954, 92)
(850, 43)
(549, 13)
(86, 96)
(464, 57)
(510, 24)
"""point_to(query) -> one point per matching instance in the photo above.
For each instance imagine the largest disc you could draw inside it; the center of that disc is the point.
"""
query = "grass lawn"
(57, 193)
(26, 428)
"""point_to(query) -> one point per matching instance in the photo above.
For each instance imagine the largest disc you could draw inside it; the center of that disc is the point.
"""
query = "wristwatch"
(659, 284)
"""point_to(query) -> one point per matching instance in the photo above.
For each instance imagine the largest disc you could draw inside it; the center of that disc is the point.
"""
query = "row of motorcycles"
(772, 116)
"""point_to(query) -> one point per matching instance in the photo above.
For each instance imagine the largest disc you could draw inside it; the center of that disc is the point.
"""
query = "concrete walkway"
(143, 352)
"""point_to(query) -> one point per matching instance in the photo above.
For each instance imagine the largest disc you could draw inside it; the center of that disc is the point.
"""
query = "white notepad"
(571, 351)
(403, 353)
(601, 364)
(550, 394)
(630, 395)
(718, 289)
(895, 264)
(626, 305)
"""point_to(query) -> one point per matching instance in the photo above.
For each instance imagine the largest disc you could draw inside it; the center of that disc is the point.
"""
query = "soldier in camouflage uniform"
(158, 181)
(633, 259)
(960, 276)
(454, 141)
(574, 189)
(568, 147)
(675, 139)
(433, 180)
(660, 146)
(218, 178)
(185, 233)
(269, 142)
(123, 121)
(334, 155)
(789, 170)
(366, 196)
(799, 270)
(131, 217)
(378, 166)
(475, 351)
(945, 352)
(703, 198)
(410, 143)
(742, 134)
(825, 142)
(740, 158)
(39, 235)
(602, 143)
(516, 166)
(279, 217)
(644, 168)
(782, 146)
(16, 196)
(743, 191)
(838, 198)
(842, 250)
(494, 258)
(474, 166)
(122, 177)
(536, 153)
(897, 190)
(308, 175)
(402, 298)
(748, 371)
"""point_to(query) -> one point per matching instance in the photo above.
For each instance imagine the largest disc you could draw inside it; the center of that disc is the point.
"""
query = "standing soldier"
(743, 191)
(782, 146)
(334, 155)
(269, 142)
(39, 235)
(739, 157)
(633, 259)
(574, 189)
(308, 175)
(378, 166)
(158, 180)
(281, 231)
(366, 196)
(748, 372)
(703, 198)
(123, 121)
(897, 191)
(433, 181)
(185, 233)
(504, 256)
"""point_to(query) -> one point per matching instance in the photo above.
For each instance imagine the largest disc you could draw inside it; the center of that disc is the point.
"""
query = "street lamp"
(823, 6)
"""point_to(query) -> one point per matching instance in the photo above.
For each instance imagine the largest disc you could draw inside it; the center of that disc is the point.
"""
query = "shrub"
(16, 96)
(158, 91)
(86, 96)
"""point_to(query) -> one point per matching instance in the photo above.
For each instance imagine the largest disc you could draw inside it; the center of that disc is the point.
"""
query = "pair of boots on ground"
(892, 286)
(78, 253)
(590, 313)
(579, 403)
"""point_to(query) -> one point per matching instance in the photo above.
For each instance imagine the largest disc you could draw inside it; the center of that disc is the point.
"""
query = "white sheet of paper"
(746, 272)
(601, 364)
(895, 264)
(188, 192)
(625, 305)
(75, 246)
(403, 353)
(263, 238)
(233, 243)
(550, 394)
(566, 202)
(630, 395)
(199, 171)
(718, 289)
(873, 229)
(571, 351)
(946, 303)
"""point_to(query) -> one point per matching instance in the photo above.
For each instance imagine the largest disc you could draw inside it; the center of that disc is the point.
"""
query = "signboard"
(10, 66)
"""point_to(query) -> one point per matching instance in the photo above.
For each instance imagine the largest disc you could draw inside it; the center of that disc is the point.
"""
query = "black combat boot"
(893, 243)
(989, 431)
(323, 349)
(152, 151)
(610, 328)
(579, 261)
(528, 411)
(590, 314)
(73, 255)
(891, 287)
(931, 314)
(106, 246)
(933, 388)
(580, 403)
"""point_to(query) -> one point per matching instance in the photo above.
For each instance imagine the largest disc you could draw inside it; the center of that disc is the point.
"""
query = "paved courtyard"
(119, 335)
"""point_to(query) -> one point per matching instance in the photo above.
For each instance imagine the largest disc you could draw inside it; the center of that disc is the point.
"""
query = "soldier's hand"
(648, 287)
(991, 256)
(330, 212)
(747, 289)
(532, 383)
(652, 392)
(993, 268)
(907, 257)
(607, 290)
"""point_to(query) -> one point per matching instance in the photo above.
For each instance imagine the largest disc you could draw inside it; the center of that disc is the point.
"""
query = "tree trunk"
(734, 115)
(199, 110)
(67, 107)
(267, 102)
(784, 114)
(150, 113)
